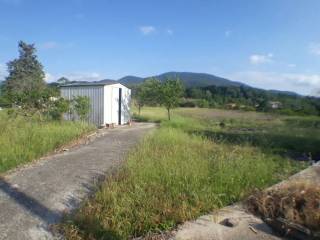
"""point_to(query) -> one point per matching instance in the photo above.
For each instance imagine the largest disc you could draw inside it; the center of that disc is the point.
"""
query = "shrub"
(187, 103)
(202, 103)
(58, 108)
(82, 107)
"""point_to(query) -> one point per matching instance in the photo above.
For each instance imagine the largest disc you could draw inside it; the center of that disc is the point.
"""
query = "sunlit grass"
(176, 174)
(23, 140)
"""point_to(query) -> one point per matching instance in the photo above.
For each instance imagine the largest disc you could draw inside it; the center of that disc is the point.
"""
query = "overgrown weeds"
(25, 139)
(174, 176)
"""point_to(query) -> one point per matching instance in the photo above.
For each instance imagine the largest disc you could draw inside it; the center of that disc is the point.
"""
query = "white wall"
(126, 101)
(111, 108)
(107, 104)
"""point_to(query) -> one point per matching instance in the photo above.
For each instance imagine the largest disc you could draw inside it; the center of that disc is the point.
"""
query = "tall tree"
(140, 99)
(147, 93)
(170, 93)
(63, 80)
(26, 74)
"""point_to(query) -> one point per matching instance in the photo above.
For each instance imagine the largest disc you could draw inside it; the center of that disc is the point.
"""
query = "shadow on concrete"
(29, 203)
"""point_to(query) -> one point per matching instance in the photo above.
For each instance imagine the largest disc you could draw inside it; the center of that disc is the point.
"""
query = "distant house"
(275, 104)
(110, 101)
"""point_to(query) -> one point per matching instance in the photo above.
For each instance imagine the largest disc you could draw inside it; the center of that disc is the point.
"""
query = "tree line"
(225, 97)
(254, 99)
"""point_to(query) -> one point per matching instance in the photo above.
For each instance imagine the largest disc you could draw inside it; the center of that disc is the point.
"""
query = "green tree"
(147, 93)
(203, 103)
(196, 93)
(170, 93)
(152, 88)
(63, 80)
(140, 98)
(4, 101)
(82, 107)
(208, 95)
(58, 108)
(26, 76)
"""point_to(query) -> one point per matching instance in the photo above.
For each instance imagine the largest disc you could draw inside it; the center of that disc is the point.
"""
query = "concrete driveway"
(36, 196)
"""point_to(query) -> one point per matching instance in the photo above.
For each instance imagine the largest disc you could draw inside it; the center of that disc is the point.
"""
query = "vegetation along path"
(33, 198)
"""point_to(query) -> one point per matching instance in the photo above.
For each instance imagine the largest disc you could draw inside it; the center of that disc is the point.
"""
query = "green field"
(23, 139)
(202, 160)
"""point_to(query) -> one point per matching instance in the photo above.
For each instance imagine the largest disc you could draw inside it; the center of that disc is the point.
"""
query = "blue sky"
(272, 44)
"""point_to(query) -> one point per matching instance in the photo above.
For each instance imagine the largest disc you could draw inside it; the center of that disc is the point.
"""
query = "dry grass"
(297, 202)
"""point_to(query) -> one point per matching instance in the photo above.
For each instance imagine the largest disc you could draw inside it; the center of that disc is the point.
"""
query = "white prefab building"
(110, 101)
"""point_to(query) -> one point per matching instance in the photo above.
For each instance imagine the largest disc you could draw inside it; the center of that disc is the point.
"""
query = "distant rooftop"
(97, 83)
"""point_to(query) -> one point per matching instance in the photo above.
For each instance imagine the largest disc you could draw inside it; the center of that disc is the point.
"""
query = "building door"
(120, 106)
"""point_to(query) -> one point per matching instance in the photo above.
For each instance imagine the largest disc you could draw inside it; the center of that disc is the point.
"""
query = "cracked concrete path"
(34, 197)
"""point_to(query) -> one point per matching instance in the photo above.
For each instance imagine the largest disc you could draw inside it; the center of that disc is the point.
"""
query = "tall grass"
(171, 177)
(23, 140)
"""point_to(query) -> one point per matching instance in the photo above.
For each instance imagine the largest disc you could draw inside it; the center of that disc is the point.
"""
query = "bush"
(187, 103)
(82, 107)
(58, 108)
(4, 102)
(202, 103)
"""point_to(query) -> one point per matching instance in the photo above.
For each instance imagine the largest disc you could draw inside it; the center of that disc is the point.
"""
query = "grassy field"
(23, 140)
(200, 161)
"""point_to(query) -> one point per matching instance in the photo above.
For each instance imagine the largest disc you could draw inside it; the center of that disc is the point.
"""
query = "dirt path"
(34, 197)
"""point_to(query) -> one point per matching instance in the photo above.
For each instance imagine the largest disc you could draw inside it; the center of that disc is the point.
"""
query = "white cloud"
(228, 33)
(291, 65)
(314, 48)
(76, 76)
(169, 31)
(300, 83)
(146, 30)
(49, 45)
(311, 80)
(260, 58)
(49, 77)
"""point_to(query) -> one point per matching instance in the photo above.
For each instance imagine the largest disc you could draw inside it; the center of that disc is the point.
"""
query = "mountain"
(131, 80)
(189, 79)
(283, 92)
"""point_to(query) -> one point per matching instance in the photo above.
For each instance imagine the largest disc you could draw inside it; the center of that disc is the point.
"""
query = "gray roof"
(98, 83)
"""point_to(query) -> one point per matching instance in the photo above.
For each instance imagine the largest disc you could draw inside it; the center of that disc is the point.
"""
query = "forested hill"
(189, 79)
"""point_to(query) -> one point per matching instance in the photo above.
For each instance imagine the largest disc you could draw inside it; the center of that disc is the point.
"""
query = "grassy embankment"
(23, 140)
(200, 161)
